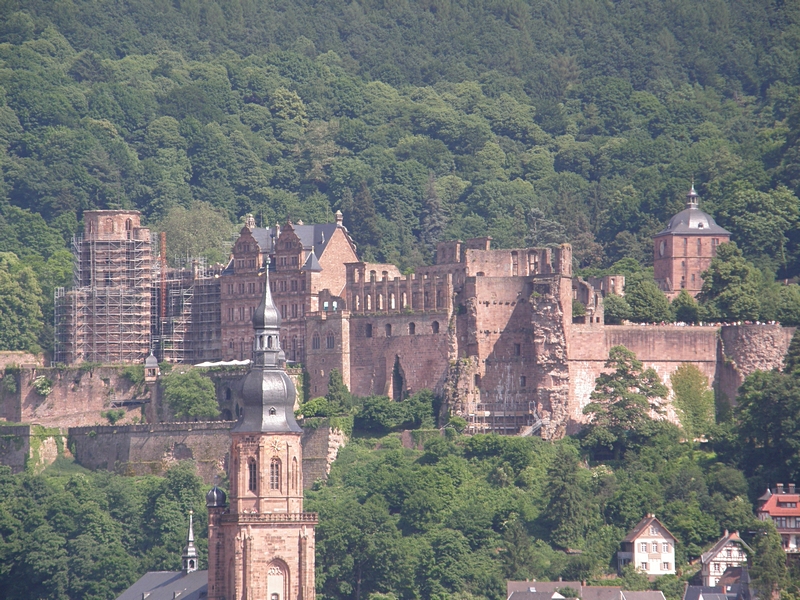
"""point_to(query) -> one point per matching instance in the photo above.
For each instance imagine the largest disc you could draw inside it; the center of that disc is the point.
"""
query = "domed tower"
(262, 545)
(685, 248)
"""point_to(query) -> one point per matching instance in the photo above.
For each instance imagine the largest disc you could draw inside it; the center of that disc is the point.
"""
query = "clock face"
(276, 445)
(662, 248)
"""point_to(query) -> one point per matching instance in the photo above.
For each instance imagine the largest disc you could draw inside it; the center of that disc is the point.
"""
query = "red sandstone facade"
(305, 259)
(684, 250)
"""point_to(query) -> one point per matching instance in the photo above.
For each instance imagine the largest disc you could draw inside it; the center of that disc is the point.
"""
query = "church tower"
(261, 546)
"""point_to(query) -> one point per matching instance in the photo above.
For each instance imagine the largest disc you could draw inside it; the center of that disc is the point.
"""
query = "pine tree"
(684, 308)
(791, 362)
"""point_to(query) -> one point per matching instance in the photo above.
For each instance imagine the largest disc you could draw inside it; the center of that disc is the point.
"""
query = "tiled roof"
(642, 595)
(771, 505)
(644, 525)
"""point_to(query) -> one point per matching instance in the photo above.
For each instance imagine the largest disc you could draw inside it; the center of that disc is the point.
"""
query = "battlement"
(418, 292)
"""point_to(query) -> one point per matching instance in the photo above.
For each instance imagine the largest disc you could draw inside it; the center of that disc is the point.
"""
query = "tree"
(434, 217)
(615, 309)
(199, 231)
(570, 511)
(731, 286)
(20, 305)
(647, 303)
(684, 308)
(768, 570)
(338, 396)
(190, 395)
(694, 401)
(622, 402)
(791, 362)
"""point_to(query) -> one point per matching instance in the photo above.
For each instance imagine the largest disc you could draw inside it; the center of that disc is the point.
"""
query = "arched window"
(388, 330)
(330, 341)
(109, 226)
(380, 301)
(315, 342)
(368, 302)
(358, 302)
(412, 329)
(435, 327)
(128, 224)
(252, 472)
(372, 275)
(295, 474)
(275, 474)
(403, 300)
(392, 301)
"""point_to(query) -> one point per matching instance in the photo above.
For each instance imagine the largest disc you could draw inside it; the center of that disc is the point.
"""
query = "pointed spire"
(692, 197)
(190, 552)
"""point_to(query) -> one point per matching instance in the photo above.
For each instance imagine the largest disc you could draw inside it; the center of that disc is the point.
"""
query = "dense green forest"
(535, 122)
(456, 517)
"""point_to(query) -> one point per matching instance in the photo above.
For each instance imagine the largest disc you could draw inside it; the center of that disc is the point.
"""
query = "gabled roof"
(162, 585)
(709, 555)
(263, 238)
(587, 592)
(771, 505)
(316, 236)
(643, 526)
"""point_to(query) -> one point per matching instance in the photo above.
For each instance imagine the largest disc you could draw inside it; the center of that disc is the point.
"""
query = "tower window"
(388, 330)
(315, 342)
(435, 327)
(252, 479)
(330, 341)
(368, 330)
(272, 411)
(275, 474)
(412, 329)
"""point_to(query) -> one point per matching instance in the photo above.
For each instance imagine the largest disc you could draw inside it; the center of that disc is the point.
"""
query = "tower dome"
(215, 498)
(267, 391)
(692, 220)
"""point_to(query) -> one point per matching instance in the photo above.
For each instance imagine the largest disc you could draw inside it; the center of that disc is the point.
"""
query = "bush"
(113, 415)
(317, 407)
(42, 385)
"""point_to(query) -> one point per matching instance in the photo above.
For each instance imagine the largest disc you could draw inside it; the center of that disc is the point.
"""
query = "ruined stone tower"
(262, 545)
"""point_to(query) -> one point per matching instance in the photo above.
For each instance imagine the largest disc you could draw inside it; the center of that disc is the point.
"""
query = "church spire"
(692, 198)
(190, 552)
(268, 392)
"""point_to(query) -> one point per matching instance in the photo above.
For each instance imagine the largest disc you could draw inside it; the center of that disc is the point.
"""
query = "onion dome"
(215, 498)
(266, 315)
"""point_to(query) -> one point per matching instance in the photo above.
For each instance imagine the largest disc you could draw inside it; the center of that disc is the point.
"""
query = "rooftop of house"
(643, 528)
(781, 504)
(726, 538)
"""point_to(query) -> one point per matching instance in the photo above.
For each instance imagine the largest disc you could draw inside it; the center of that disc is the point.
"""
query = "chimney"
(779, 488)
(791, 488)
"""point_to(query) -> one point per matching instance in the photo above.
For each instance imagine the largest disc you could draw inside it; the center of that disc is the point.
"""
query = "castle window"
(275, 474)
(685, 246)
(435, 327)
(412, 329)
(330, 341)
(272, 412)
(517, 349)
(315, 342)
(109, 226)
(294, 310)
(368, 302)
(357, 302)
(368, 330)
(294, 285)
(128, 224)
(380, 301)
(523, 381)
(295, 474)
(373, 275)
(252, 471)
(699, 247)
(283, 311)
(388, 330)
(391, 302)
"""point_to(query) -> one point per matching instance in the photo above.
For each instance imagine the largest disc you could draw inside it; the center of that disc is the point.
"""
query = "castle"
(490, 331)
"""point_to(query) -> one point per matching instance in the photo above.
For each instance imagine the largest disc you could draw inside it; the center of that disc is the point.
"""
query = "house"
(782, 508)
(521, 590)
(649, 546)
(729, 551)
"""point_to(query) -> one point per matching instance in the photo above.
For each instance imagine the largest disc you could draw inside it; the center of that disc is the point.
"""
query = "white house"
(650, 547)
(729, 551)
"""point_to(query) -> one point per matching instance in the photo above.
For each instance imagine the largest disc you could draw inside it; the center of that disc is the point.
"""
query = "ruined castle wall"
(77, 398)
(31, 447)
(726, 355)
(152, 449)
(749, 348)
(421, 357)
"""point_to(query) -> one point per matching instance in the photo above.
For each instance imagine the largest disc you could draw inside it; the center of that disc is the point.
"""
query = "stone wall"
(152, 449)
(725, 355)
(31, 447)
(77, 397)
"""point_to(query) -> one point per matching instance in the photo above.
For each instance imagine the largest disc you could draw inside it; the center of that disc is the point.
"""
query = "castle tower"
(683, 250)
(262, 545)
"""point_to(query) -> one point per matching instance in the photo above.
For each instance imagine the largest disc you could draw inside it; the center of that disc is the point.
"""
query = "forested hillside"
(534, 122)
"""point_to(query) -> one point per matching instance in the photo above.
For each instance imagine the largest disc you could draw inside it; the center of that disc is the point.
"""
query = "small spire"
(691, 197)
(190, 552)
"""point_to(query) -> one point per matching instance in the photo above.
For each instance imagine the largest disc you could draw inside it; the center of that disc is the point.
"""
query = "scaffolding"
(106, 316)
(185, 313)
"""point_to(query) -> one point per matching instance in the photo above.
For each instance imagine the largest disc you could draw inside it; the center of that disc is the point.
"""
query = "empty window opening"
(388, 330)
(252, 472)
(412, 329)
(368, 330)
(275, 474)
(435, 327)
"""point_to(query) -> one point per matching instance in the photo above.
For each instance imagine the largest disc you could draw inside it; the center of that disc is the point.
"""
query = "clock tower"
(261, 545)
